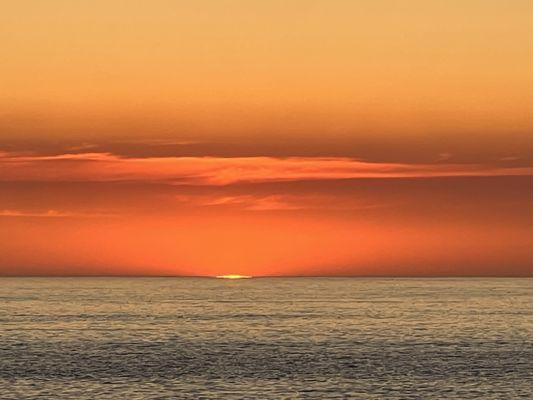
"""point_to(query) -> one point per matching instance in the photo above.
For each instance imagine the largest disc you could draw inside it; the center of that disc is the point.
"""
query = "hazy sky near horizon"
(305, 137)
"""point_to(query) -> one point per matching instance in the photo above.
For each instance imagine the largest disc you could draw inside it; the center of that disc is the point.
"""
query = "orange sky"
(300, 137)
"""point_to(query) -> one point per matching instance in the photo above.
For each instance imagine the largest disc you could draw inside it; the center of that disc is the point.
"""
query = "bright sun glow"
(233, 277)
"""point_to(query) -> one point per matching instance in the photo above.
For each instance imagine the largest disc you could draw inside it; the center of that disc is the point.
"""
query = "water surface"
(159, 338)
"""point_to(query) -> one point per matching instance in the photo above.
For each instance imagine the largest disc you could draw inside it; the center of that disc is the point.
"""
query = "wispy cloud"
(83, 146)
(509, 158)
(50, 214)
(223, 171)
(280, 202)
(256, 203)
(160, 142)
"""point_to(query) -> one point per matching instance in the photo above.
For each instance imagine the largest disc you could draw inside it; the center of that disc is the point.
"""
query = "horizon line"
(273, 276)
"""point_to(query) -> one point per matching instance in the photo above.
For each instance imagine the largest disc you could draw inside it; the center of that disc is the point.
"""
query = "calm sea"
(164, 338)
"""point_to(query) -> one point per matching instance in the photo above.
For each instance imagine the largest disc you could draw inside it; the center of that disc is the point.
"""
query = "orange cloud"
(278, 202)
(253, 203)
(107, 167)
(49, 214)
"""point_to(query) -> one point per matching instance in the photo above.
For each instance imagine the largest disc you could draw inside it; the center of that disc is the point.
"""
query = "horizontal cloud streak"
(249, 202)
(107, 167)
(49, 214)
(279, 202)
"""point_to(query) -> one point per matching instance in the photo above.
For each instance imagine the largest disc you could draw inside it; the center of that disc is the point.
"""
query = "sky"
(294, 137)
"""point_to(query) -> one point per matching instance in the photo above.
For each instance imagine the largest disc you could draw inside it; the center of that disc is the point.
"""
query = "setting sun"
(233, 277)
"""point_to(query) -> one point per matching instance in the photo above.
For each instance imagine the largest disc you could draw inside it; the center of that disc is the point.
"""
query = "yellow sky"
(350, 61)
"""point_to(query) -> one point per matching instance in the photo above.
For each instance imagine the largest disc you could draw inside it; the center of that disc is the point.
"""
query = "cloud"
(107, 167)
(49, 214)
(83, 146)
(444, 156)
(509, 158)
(160, 142)
(256, 203)
(278, 202)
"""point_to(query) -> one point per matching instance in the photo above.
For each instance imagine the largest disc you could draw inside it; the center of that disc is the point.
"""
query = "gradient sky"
(295, 137)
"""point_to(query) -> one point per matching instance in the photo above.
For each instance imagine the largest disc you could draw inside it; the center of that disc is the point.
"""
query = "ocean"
(268, 338)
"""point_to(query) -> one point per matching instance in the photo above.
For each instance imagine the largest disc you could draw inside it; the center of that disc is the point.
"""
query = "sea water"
(269, 338)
